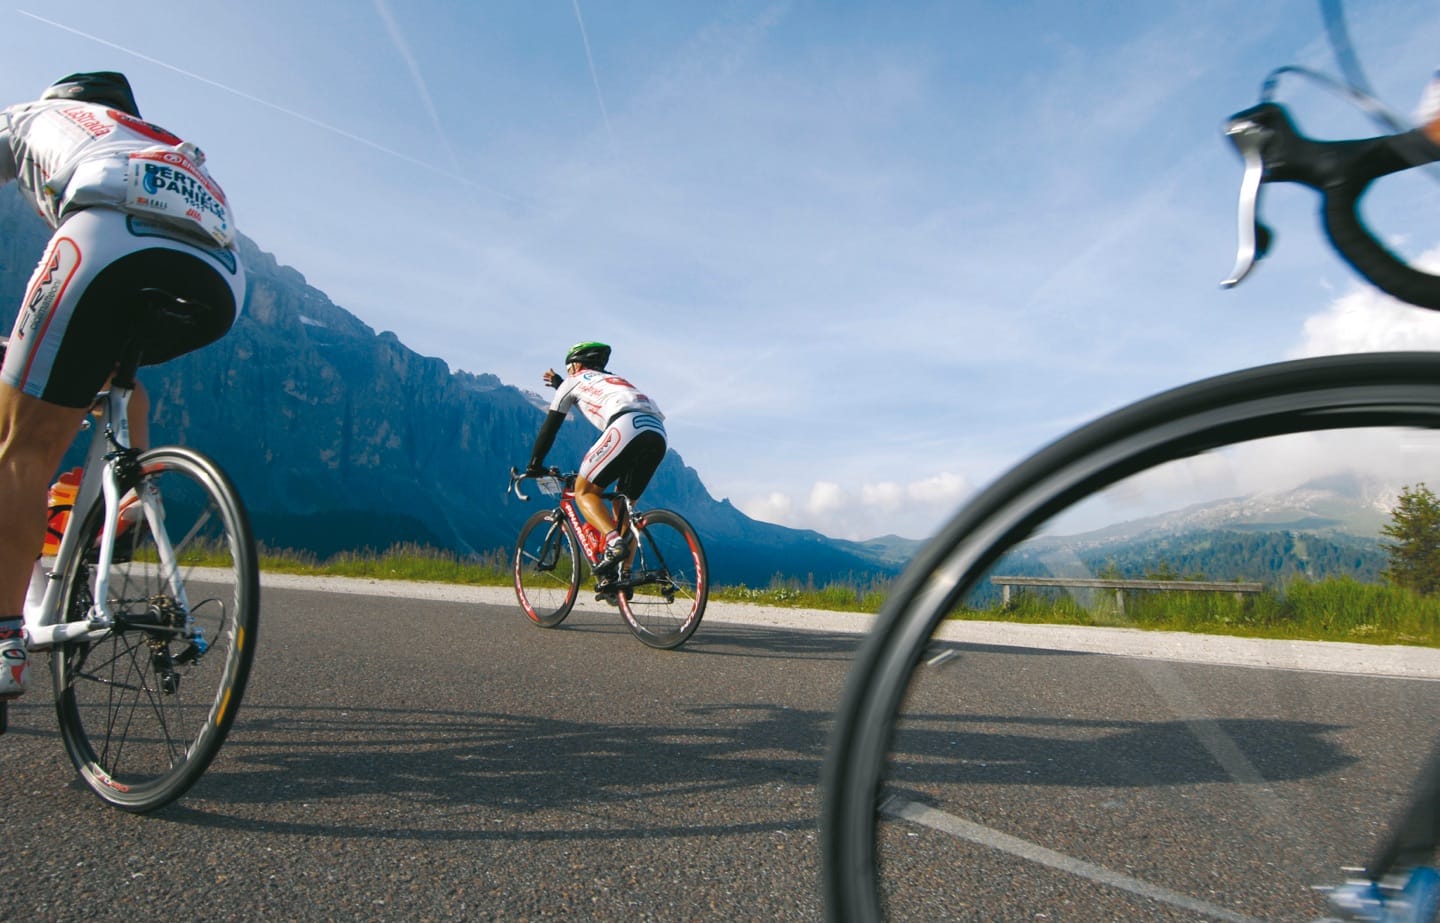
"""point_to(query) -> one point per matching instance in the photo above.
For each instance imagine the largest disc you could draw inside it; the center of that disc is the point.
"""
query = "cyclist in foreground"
(631, 444)
(133, 208)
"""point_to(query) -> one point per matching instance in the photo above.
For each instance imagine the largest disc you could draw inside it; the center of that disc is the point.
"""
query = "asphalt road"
(443, 759)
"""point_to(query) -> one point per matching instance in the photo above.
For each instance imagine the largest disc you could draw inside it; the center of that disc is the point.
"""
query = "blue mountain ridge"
(344, 439)
(340, 438)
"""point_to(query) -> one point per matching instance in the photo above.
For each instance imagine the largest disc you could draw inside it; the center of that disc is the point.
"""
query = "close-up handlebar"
(1274, 150)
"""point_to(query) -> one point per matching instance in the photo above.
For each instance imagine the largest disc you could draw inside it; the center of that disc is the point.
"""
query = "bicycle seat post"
(122, 384)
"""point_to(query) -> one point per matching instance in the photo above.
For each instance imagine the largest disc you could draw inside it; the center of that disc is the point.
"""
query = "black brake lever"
(1273, 150)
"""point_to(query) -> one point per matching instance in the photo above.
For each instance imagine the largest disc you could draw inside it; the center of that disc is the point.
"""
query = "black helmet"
(591, 355)
(105, 87)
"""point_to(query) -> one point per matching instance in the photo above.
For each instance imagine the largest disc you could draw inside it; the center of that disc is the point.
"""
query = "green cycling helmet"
(591, 355)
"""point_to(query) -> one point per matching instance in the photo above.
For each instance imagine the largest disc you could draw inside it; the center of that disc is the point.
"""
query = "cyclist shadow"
(1078, 753)
(479, 776)
(719, 638)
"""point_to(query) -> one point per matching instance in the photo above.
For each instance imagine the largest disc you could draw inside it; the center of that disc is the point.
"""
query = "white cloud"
(1367, 320)
(826, 499)
(886, 495)
(773, 507)
(941, 489)
(866, 511)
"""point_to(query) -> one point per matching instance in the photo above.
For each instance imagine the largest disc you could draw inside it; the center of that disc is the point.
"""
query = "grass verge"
(1340, 609)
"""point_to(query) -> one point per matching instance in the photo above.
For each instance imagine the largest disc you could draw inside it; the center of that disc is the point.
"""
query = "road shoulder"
(1323, 656)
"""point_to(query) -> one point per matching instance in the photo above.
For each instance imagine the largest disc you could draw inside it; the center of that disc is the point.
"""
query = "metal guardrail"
(1120, 586)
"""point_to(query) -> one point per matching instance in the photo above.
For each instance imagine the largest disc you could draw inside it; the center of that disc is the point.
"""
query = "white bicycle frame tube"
(44, 625)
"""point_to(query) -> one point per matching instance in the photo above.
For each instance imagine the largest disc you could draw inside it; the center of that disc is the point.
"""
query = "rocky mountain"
(1323, 528)
(1349, 503)
(343, 438)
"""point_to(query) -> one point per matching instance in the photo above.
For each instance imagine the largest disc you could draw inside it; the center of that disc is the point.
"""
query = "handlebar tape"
(1341, 171)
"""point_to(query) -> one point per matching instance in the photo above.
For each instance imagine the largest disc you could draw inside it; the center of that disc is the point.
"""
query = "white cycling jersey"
(602, 397)
(69, 155)
(132, 207)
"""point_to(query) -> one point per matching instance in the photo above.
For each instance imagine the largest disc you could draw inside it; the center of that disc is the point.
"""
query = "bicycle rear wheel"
(547, 568)
(668, 583)
(145, 706)
(916, 788)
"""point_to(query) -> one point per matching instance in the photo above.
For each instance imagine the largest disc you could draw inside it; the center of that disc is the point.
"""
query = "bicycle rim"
(144, 707)
(892, 793)
(669, 581)
(547, 569)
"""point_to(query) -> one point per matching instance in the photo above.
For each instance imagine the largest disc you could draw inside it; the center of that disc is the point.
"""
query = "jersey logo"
(142, 127)
(86, 118)
(48, 288)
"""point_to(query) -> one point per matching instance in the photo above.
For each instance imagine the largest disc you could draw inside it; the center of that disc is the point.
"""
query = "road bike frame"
(660, 589)
(564, 489)
(109, 461)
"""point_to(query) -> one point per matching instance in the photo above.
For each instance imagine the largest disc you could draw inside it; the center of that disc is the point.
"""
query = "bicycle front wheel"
(547, 568)
(145, 705)
(668, 583)
(960, 774)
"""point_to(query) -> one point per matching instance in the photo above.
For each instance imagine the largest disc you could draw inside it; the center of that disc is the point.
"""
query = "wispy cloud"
(291, 113)
(867, 510)
(397, 38)
(594, 77)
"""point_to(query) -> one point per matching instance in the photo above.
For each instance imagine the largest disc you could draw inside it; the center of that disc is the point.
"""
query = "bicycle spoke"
(546, 569)
(145, 705)
(1019, 781)
(664, 595)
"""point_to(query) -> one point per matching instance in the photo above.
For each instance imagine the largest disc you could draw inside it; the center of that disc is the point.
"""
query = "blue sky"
(865, 255)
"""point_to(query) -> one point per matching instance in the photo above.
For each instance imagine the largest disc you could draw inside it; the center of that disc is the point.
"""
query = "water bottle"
(594, 541)
(60, 501)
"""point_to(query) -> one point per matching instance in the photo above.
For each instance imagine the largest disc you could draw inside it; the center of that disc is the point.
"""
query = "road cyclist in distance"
(631, 446)
(133, 208)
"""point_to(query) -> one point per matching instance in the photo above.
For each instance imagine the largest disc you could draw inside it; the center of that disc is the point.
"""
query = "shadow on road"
(471, 776)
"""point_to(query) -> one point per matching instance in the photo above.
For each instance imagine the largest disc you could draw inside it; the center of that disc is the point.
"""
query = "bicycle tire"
(669, 581)
(547, 568)
(142, 711)
(1326, 393)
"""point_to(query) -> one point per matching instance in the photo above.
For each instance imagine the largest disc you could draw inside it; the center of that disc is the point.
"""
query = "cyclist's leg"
(588, 485)
(33, 436)
(598, 469)
(592, 505)
(628, 452)
(77, 312)
(642, 456)
(51, 371)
